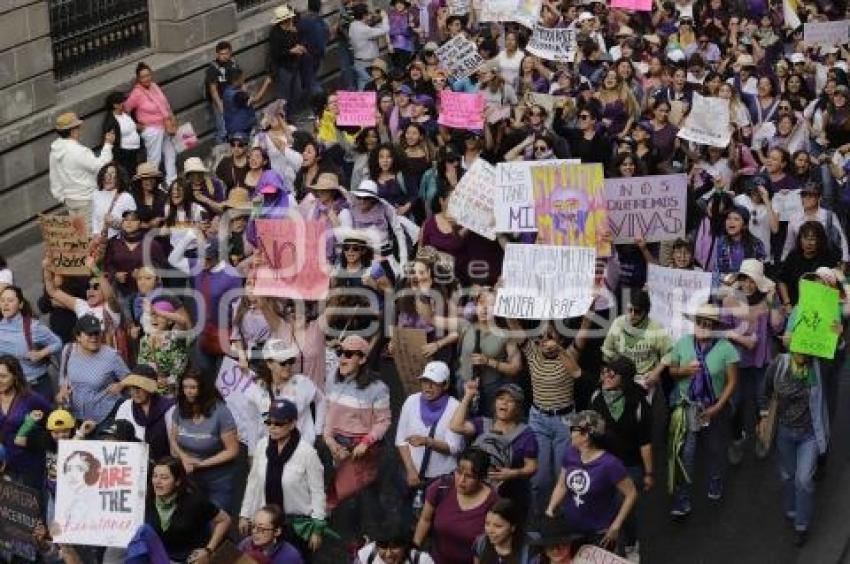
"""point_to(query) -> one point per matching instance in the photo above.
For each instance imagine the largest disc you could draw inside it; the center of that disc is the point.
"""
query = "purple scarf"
(156, 433)
(701, 389)
(431, 410)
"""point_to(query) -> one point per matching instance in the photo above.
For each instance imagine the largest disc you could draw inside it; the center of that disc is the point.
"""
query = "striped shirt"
(360, 413)
(89, 375)
(551, 385)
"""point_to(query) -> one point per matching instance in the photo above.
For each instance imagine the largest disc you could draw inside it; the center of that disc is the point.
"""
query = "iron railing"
(246, 4)
(89, 33)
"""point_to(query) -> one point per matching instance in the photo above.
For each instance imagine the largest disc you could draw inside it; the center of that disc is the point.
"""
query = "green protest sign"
(812, 322)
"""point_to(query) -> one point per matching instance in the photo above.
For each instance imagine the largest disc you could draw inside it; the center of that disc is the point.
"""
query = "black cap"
(121, 430)
(554, 532)
(811, 187)
(282, 410)
(89, 324)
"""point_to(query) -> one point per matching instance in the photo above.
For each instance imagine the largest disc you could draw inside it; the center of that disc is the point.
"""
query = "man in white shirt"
(363, 39)
(810, 194)
(74, 167)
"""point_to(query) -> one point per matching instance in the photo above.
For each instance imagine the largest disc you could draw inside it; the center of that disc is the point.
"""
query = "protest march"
(524, 281)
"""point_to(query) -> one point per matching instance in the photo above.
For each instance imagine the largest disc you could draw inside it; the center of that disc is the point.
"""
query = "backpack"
(498, 446)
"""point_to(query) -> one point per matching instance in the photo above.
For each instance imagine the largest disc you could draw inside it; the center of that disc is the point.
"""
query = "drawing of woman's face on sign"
(568, 210)
(81, 469)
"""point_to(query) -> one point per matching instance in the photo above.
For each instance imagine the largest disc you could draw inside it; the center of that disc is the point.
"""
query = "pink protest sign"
(356, 108)
(294, 259)
(636, 5)
(461, 110)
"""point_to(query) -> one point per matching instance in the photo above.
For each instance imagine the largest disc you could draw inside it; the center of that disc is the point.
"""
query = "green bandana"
(165, 509)
(616, 402)
(803, 373)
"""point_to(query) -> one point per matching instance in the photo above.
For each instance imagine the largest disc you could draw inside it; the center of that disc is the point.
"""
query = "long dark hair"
(14, 367)
(208, 396)
(26, 308)
(375, 169)
(512, 513)
(816, 229)
(186, 206)
(122, 181)
(175, 467)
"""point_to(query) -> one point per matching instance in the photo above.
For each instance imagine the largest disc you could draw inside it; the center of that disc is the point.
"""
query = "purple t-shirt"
(592, 498)
(454, 530)
(524, 446)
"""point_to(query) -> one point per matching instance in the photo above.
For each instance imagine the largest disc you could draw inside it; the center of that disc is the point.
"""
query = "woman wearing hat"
(276, 201)
(379, 218)
(286, 471)
(286, 53)
(756, 319)
(150, 200)
(356, 266)
(207, 191)
(594, 492)
(327, 204)
(150, 414)
(704, 366)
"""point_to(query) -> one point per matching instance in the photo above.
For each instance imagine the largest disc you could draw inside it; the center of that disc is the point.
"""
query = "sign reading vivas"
(651, 207)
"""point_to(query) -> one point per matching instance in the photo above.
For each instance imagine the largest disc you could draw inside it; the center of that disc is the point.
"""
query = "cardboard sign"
(244, 399)
(812, 320)
(674, 292)
(497, 10)
(634, 5)
(514, 207)
(553, 43)
(827, 33)
(461, 110)
(589, 554)
(100, 492)
(472, 202)
(708, 122)
(528, 12)
(408, 357)
(19, 514)
(67, 241)
(652, 207)
(356, 109)
(459, 56)
(295, 263)
(546, 282)
(569, 200)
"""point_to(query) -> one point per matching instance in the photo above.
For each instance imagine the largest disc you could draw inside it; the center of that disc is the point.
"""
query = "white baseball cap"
(6, 277)
(436, 371)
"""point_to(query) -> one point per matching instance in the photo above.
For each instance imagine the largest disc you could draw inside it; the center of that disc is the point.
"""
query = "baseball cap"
(513, 390)
(60, 420)
(282, 410)
(355, 343)
(436, 371)
(88, 324)
(278, 351)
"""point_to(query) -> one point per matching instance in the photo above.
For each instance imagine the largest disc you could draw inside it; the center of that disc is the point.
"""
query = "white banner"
(497, 10)
(245, 399)
(459, 57)
(472, 201)
(458, 7)
(674, 292)
(546, 282)
(827, 33)
(553, 43)
(100, 492)
(514, 207)
(528, 12)
(708, 122)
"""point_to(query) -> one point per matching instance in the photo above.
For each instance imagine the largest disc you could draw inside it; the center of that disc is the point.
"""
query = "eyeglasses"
(346, 353)
(260, 529)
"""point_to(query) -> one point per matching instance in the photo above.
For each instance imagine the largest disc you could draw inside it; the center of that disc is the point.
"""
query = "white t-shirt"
(129, 134)
(125, 412)
(100, 205)
(509, 66)
(81, 308)
(410, 423)
(759, 222)
(364, 556)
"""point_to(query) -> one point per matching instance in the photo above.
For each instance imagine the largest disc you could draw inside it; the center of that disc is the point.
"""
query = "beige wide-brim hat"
(327, 181)
(143, 382)
(706, 311)
(379, 64)
(238, 198)
(754, 270)
(194, 164)
(68, 120)
(147, 170)
(282, 13)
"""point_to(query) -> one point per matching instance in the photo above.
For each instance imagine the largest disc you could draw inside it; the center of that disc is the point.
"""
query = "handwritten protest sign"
(472, 202)
(569, 200)
(528, 12)
(708, 123)
(245, 399)
(652, 207)
(553, 43)
(589, 554)
(67, 241)
(100, 492)
(295, 264)
(674, 292)
(408, 357)
(826, 33)
(356, 108)
(514, 206)
(461, 110)
(812, 320)
(458, 7)
(497, 10)
(19, 514)
(635, 5)
(546, 282)
(459, 56)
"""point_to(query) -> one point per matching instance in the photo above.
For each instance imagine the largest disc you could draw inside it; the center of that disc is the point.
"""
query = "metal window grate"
(88, 33)
(246, 4)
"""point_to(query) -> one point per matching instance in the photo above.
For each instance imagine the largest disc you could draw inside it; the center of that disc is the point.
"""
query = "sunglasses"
(541, 148)
(287, 362)
(352, 247)
(271, 423)
(237, 144)
(343, 353)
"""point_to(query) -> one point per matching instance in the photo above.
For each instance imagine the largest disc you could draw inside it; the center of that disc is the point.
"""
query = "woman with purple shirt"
(402, 35)
(755, 318)
(601, 494)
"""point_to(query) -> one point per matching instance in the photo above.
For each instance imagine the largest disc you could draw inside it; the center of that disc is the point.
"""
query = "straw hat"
(379, 64)
(68, 120)
(147, 170)
(326, 181)
(367, 189)
(238, 198)
(754, 270)
(706, 311)
(282, 13)
(194, 164)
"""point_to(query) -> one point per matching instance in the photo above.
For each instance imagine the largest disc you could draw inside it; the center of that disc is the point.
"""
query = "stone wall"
(184, 35)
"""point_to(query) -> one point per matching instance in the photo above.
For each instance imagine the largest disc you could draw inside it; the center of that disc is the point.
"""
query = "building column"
(178, 26)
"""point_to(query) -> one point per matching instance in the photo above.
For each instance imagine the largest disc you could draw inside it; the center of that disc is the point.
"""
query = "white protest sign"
(497, 10)
(100, 492)
(514, 206)
(674, 292)
(459, 56)
(245, 399)
(458, 7)
(528, 12)
(827, 33)
(472, 201)
(708, 122)
(652, 207)
(546, 282)
(553, 43)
